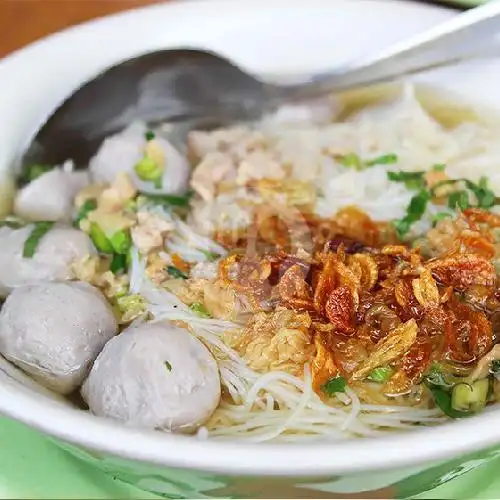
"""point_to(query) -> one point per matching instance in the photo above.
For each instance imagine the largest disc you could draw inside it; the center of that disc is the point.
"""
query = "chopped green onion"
(442, 399)
(438, 377)
(12, 222)
(467, 397)
(210, 256)
(168, 366)
(442, 387)
(99, 239)
(148, 170)
(416, 208)
(32, 172)
(412, 180)
(485, 197)
(40, 229)
(335, 384)
(440, 216)
(176, 273)
(459, 199)
(387, 159)
(167, 199)
(200, 310)
(351, 160)
(495, 367)
(131, 205)
(87, 207)
(149, 135)
(134, 305)
(118, 263)
(121, 241)
(381, 374)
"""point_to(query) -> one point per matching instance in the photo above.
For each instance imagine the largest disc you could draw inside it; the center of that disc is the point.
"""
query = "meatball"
(54, 331)
(52, 260)
(121, 152)
(50, 196)
(156, 376)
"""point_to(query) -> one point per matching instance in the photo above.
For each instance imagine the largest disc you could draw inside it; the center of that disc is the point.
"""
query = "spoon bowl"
(196, 88)
(186, 87)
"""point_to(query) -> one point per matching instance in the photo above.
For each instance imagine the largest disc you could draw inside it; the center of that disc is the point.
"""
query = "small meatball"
(50, 196)
(54, 331)
(52, 261)
(155, 376)
(121, 152)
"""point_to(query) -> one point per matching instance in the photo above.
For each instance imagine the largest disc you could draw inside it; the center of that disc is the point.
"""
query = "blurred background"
(23, 21)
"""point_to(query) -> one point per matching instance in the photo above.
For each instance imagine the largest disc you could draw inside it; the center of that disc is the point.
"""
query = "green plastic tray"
(31, 466)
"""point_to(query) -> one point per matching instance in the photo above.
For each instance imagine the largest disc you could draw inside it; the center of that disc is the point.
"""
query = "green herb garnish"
(439, 167)
(99, 239)
(210, 256)
(335, 384)
(200, 310)
(443, 402)
(453, 395)
(381, 374)
(495, 367)
(40, 229)
(351, 160)
(416, 208)
(149, 135)
(440, 216)
(32, 172)
(485, 197)
(118, 263)
(387, 159)
(168, 366)
(87, 207)
(167, 199)
(131, 305)
(437, 377)
(12, 222)
(412, 180)
(149, 170)
(176, 273)
(470, 397)
(121, 241)
(459, 199)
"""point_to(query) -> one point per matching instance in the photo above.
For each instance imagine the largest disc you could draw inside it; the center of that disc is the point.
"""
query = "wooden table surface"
(23, 21)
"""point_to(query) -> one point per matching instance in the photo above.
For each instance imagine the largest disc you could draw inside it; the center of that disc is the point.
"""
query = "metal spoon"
(196, 88)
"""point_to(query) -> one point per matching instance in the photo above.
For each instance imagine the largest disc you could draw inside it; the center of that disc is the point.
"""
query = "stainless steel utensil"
(199, 88)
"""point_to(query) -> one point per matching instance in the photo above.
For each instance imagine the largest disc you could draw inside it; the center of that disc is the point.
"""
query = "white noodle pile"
(273, 406)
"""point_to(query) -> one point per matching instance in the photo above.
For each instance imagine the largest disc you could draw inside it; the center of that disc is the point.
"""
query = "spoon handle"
(466, 36)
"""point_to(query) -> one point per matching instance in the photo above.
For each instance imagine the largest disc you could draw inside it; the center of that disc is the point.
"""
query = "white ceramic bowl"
(267, 37)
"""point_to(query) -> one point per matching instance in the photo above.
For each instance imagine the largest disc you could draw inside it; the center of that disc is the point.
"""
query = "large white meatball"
(154, 376)
(121, 152)
(54, 331)
(50, 196)
(52, 260)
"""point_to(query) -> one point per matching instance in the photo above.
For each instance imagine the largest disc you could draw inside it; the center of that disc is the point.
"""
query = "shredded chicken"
(213, 169)
(149, 232)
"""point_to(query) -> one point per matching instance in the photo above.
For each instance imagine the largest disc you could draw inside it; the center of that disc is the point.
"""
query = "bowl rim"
(236, 457)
